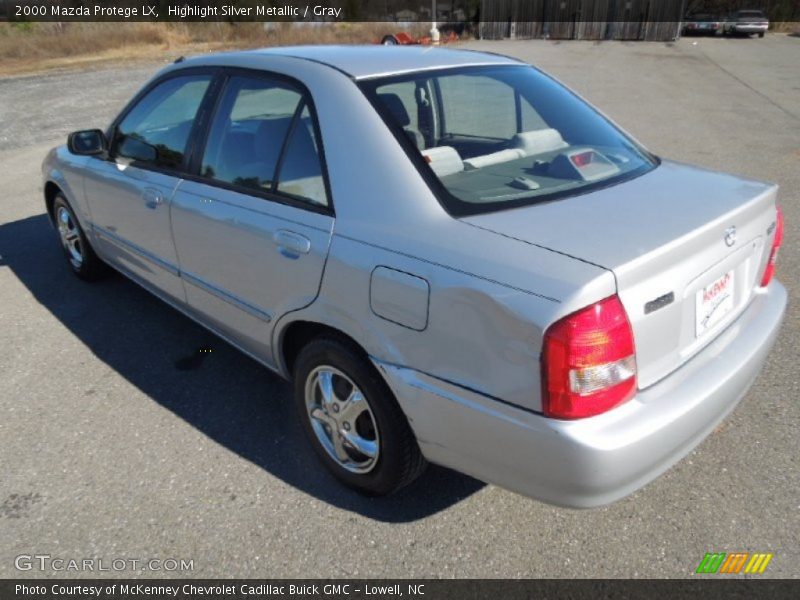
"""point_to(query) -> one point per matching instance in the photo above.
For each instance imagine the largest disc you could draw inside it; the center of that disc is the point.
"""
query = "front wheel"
(79, 253)
(389, 40)
(352, 419)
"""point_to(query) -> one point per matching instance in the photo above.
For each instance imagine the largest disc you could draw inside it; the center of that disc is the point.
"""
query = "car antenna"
(180, 59)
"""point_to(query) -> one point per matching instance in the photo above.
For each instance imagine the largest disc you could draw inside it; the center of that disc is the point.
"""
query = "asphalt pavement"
(116, 444)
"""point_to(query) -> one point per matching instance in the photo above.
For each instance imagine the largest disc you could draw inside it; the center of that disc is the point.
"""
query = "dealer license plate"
(713, 302)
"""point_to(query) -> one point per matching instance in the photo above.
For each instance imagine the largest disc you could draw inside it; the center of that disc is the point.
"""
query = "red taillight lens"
(776, 244)
(588, 362)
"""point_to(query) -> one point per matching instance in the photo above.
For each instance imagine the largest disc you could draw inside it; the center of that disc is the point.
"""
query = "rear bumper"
(595, 461)
(747, 28)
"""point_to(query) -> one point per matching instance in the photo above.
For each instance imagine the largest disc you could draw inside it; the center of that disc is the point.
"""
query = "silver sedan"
(454, 258)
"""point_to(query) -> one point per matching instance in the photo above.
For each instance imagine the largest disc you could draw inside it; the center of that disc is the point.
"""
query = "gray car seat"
(401, 116)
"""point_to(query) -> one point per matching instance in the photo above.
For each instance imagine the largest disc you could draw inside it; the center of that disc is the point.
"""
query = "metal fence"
(651, 20)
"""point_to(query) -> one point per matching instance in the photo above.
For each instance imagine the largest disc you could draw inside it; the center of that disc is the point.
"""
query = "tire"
(79, 253)
(761, 34)
(359, 431)
(389, 40)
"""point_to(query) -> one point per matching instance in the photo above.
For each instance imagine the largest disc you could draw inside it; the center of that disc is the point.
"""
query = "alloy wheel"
(342, 420)
(70, 236)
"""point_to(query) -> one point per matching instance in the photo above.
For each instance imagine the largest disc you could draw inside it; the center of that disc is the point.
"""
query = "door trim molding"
(138, 250)
(196, 281)
(204, 285)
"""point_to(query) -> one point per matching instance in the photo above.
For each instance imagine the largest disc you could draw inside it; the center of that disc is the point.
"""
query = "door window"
(300, 174)
(249, 132)
(156, 131)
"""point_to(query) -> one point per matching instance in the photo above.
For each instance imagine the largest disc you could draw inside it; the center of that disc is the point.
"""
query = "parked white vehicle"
(746, 22)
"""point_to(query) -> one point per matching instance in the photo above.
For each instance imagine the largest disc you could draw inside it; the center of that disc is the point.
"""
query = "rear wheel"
(79, 253)
(353, 420)
(761, 34)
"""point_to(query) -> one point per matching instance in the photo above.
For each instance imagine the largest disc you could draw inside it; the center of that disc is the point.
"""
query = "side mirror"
(90, 142)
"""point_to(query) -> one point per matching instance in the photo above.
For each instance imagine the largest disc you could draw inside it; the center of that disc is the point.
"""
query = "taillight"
(588, 362)
(776, 244)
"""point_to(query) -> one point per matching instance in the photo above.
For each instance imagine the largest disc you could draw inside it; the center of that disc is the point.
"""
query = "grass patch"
(33, 47)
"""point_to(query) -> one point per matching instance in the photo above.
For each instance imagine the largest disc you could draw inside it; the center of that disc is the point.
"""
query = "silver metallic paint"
(595, 461)
(659, 233)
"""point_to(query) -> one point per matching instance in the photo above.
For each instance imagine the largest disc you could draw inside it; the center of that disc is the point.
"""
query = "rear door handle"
(152, 198)
(291, 244)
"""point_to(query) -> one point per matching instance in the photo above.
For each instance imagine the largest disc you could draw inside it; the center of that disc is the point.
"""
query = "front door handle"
(291, 244)
(152, 198)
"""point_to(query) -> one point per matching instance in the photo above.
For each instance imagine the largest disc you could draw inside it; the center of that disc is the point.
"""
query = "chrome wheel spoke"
(338, 447)
(368, 448)
(320, 415)
(353, 407)
(325, 383)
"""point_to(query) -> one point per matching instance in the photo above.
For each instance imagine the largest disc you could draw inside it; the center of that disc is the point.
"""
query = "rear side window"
(300, 174)
(156, 130)
(263, 138)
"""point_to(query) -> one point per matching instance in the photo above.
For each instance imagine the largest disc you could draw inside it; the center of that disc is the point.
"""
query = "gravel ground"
(108, 450)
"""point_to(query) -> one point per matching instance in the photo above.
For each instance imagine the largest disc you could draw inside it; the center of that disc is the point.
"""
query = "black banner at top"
(239, 10)
(408, 11)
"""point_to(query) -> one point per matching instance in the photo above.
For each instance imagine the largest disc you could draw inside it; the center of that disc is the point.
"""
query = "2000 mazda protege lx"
(455, 259)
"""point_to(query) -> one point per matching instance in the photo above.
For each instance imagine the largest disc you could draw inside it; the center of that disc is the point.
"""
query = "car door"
(253, 223)
(129, 193)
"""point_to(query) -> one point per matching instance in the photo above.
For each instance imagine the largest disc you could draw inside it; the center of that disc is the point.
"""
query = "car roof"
(362, 62)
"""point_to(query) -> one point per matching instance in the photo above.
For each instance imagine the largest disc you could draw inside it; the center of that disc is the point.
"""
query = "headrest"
(269, 136)
(538, 141)
(444, 160)
(495, 158)
(395, 106)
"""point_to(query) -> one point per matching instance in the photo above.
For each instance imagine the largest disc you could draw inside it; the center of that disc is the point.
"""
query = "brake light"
(582, 159)
(588, 362)
(776, 244)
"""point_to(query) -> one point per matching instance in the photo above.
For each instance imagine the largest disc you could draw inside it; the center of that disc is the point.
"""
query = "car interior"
(248, 143)
(487, 156)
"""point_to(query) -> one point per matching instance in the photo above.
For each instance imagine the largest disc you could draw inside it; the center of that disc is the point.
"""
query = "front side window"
(156, 131)
(262, 138)
(498, 137)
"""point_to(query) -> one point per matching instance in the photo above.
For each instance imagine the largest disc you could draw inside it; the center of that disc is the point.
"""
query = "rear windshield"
(491, 138)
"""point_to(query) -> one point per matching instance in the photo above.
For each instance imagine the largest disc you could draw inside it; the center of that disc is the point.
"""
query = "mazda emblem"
(730, 236)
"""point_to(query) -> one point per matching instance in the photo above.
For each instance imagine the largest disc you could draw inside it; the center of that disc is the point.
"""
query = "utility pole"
(434, 30)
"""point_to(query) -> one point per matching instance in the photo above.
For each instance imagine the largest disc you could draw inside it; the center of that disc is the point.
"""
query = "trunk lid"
(666, 236)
